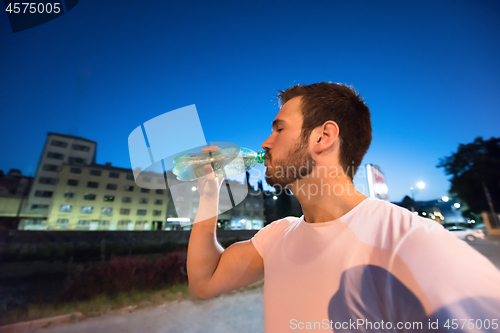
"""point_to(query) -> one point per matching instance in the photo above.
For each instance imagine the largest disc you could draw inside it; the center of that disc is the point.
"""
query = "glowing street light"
(445, 199)
(420, 185)
(275, 198)
(456, 204)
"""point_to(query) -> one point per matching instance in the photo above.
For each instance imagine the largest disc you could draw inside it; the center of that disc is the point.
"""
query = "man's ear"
(325, 137)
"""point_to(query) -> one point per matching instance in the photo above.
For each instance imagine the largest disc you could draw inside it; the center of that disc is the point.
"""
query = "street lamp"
(420, 185)
(445, 198)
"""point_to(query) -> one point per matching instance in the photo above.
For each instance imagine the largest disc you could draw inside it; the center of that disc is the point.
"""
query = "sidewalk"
(240, 312)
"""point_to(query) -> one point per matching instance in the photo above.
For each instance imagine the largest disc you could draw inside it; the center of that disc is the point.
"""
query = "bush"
(123, 274)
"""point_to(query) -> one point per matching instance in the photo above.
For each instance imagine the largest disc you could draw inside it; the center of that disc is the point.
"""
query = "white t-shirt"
(379, 263)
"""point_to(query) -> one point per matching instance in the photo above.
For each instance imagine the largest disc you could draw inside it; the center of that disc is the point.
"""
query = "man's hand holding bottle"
(209, 185)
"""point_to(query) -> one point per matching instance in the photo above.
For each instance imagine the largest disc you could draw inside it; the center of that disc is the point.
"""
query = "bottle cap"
(261, 156)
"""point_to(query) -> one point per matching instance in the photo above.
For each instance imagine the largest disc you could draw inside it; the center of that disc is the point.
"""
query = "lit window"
(65, 208)
(107, 211)
(87, 210)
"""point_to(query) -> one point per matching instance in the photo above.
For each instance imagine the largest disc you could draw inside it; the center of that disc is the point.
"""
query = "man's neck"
(326, 199)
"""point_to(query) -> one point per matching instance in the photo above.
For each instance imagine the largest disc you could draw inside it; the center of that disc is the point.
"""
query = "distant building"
(442, 211)
(103, 197)
(438, 210)
(14, 190)
(59, 149)
(280, 204)
(376, 182)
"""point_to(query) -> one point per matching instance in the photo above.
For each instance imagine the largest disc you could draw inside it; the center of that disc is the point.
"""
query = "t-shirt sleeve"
(265, 236)
(459, 282)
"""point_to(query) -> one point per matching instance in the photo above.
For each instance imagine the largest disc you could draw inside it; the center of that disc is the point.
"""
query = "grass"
(102, 304)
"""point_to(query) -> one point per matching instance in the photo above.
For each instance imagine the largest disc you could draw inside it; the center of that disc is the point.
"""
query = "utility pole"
(490, 203)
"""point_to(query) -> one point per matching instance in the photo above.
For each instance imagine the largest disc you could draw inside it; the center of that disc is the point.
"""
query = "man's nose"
(266, 145)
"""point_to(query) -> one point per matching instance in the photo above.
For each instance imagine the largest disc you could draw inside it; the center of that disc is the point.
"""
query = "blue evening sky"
(428, 70)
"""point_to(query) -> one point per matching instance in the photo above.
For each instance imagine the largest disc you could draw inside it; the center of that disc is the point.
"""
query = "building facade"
(59, 149)
(103, 197)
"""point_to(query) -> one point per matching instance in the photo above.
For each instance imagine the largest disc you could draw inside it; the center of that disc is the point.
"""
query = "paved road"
(241, 312)
(490, 248)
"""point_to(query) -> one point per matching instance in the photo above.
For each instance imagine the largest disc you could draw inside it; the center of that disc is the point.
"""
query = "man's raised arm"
(211, 269)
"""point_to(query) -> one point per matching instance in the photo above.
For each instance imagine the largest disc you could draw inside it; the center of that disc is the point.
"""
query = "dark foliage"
(123, 274)
(474, 167)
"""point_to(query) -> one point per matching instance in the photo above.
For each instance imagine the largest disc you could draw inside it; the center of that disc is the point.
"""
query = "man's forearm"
(203, 250)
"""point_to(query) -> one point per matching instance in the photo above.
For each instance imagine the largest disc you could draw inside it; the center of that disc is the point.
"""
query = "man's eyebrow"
(277, 122)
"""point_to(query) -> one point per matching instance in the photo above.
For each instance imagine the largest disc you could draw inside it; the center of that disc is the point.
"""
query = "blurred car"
(480, 226)
(466, 233)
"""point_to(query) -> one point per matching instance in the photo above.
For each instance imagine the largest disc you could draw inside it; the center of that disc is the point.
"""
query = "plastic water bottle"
(225, 162)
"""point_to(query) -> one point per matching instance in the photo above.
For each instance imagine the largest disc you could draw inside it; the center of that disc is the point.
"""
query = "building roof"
(71, 137)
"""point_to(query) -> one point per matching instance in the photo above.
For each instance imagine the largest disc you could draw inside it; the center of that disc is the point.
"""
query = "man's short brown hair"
(331, 101)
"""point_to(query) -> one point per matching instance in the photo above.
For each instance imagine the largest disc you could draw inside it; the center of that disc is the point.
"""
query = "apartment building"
(103, 197)
(59, 149)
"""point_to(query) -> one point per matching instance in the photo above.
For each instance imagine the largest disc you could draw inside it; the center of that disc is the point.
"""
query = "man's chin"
(276, 183)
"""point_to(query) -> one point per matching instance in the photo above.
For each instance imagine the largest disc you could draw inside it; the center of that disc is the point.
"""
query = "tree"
(409, 204)
(475, 171)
